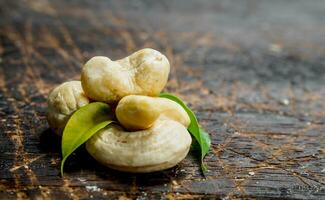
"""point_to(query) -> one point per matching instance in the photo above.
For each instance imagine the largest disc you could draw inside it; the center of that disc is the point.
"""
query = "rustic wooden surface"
(254, 71)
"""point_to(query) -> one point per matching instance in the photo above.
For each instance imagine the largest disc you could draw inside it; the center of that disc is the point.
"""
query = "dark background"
(253, 70)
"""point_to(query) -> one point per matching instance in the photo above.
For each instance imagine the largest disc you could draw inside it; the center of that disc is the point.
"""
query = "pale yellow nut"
(160, 147)
(62, 102)
(145, 72)
(136, 112)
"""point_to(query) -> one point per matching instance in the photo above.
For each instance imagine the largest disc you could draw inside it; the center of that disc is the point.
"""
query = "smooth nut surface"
(136, 112)
(160, 147)
(145, 72)
(62, 102)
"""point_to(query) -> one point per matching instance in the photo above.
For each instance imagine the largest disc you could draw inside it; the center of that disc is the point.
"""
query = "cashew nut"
(135, 112)
(145, 72)
(62, 102)
(160, 147)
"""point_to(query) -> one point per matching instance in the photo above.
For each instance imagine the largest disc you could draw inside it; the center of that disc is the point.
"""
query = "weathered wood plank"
(253, 70)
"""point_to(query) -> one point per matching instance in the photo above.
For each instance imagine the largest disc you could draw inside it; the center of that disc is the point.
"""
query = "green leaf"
(83, 124)
(204, 148)
(198, 133)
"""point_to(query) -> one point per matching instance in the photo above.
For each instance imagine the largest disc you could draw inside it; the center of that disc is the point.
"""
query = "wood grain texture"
(254, 71)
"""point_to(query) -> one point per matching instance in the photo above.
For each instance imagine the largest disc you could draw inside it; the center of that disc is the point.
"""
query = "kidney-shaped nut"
(136, 112)
(160, 147)
(145, 72)
(62, 102)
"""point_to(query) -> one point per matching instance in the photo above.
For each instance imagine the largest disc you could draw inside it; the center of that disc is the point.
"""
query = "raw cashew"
(135, 112)
(62, 102)
(145, 72)
(160, 147)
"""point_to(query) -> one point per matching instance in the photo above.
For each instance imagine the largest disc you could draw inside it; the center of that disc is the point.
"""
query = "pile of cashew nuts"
(151, 133)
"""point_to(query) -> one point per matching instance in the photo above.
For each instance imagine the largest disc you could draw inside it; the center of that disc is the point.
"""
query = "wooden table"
(254, 71)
